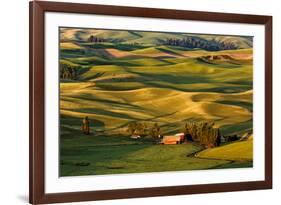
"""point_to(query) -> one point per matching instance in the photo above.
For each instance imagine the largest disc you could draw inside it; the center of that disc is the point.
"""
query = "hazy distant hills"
(142, 37)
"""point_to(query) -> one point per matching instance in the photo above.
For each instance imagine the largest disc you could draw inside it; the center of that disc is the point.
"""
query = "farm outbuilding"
(134, 136)
(173, 139)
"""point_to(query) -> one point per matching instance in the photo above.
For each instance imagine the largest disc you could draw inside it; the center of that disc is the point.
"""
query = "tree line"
(142, 129)
(95, 39)
(186, 42)
(195, 42)
(203, 133)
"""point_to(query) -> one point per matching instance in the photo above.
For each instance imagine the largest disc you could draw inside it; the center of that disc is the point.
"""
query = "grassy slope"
(148, 104)
(88, 155)
(69, 46)
(198, 90)
(167, 85)
(239, 151)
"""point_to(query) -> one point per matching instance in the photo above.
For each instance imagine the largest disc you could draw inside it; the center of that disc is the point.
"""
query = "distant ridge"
(156, 38)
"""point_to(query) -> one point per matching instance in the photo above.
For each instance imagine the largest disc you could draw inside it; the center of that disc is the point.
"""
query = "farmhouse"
(135, 136)
(173, 139)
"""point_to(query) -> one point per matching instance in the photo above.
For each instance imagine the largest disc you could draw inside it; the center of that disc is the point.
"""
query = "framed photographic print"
(138, 102)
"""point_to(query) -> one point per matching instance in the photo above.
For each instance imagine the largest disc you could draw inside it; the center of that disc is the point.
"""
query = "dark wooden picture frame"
(37, 193)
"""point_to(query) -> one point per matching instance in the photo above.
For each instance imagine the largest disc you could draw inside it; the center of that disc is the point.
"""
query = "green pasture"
(95, 155)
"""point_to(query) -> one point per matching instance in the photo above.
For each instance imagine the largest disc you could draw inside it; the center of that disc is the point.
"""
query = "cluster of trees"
(196, 42)
(136, 128)
(68, 71)
(154, 131)
(94, 39)
(204, 133)
(142, 129)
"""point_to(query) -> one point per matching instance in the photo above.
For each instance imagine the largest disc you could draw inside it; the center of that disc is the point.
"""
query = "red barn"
(173, 139)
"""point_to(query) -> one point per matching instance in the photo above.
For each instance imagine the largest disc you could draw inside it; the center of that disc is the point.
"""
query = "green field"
(88, 155)
(237, 151)
(131, 78)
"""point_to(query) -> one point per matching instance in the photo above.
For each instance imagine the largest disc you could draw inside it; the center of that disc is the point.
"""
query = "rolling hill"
(241, 150)
(133, 78)
(141, 85)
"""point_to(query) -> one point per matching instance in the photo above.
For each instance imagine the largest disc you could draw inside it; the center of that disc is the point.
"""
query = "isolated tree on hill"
(86, 126)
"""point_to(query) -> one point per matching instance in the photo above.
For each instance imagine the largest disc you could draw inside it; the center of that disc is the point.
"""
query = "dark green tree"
(204, 133)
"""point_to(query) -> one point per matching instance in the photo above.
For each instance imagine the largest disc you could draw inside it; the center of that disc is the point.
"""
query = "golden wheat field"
(150, 85)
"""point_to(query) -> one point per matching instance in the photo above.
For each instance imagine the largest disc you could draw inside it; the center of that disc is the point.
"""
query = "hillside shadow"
(77, 121)
(105, 113)
(175, 79)
(116, 104)
(238, 127)
(168, 51)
